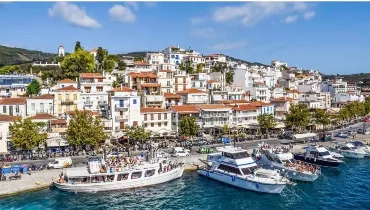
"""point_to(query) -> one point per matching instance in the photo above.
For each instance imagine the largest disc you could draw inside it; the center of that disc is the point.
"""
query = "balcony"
(67, 103)
(9, 135)
(123, 107)
(88, 103)
(215, 115)
(122, 117)
(102, 103)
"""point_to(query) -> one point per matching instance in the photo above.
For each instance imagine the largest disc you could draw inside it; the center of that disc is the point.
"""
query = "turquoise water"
(343, 188)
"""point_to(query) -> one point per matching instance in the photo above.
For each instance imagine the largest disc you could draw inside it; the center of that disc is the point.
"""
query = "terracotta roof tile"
(169, 71)
(91, 76)
(244, 107)
(67, 81)
(211, 81)
(45, 96)
(292, 91)
(150, 85)
(141, 63)
(185, 109)
(171, 95)
(235, 102)
(212, 106)
(8, 118)
(282, 99)
(123, 89)
(191, 90)
(43, 116)
(58, 122)
(143, 75)
(260, 103)
(13, 101)
(151, 109)
(68, 88)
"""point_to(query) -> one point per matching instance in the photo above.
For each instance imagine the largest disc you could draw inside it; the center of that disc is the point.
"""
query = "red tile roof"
(13, 101)
(45, 96)
(282, 99)
(8, 118)
(169, 71)
(143, 75)
(185, 109)
(171, 95)
(151, 109)
(91, 76)
(211, 81)
(260, 103)
(150, 85)
(212, 106)
(141, 63)
(58, 122)
(123, 89)
(244, 107)
(43, 116)
(68, 88)
(67, 81)
(94, 113)
(191, 90)
(235, 101)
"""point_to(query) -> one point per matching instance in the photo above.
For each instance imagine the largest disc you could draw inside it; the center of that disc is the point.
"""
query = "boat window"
(324, 153)
(122, 177)
(277, 160)
(240, 155)
(345, 148)
(269, 158)
(149, 173)
(110, 178)
(97, 179)
(229, 169)
(136, 175)
(249, 170)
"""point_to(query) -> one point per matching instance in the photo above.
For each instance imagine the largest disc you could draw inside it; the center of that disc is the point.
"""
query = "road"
(195, 149)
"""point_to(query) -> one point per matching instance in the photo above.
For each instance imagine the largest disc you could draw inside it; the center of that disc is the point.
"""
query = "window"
(75, 97)
(229, 169)
(249, 170)
(41, 107)
(100, 80)
(120, 103)
(168, 83)
(136, 175)
(50, 107)
(67, 97)
(159, 124)
(159, 116)
(168, 90)
(59, 97)
(149, 173)
(134, 101)
(16, 109)
(33, 106)
(152, 117)
(4, 109)
(122, 177)
(165, 116)
(145, 117)
(165, 124)
(151, 124)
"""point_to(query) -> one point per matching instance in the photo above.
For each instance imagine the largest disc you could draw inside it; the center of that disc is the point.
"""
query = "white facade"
(165, 79)
(61, 51)
(124, 108)
(40, 104)
(4, 137)
(156, 120)
(244, 115)
(13, 106)
(214, 115)
(154, 58)
(181, 81)
(199, 81)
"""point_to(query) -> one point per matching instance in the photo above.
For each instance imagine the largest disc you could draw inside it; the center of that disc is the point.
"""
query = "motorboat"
(283, 160)
(361, 146)
(318, 155)
(234, 166)
(118, 174)
(335, 154)
(349, 150)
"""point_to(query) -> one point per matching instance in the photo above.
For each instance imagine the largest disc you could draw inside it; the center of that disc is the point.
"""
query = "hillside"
(361, 77)
(13, 56)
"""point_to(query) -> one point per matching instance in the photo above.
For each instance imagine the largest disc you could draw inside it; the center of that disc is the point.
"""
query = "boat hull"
(319, 162)
(352, 154)
(241, 183)
(295, 175)
(119, 185)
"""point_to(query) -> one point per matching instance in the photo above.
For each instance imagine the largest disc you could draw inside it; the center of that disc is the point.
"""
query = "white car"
(182, 153)
(162, 154)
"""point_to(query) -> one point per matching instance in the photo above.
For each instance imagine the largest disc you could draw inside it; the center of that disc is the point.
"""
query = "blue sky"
(330, 37)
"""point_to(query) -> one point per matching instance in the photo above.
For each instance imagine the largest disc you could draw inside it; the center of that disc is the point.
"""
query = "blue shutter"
(121, 103)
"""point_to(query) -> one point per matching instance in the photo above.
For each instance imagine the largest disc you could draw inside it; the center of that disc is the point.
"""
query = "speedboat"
(235, 167)
(336, 155)
(361, 146)
(114, 175)
(349, 150)
(318, 155)
(278, 158)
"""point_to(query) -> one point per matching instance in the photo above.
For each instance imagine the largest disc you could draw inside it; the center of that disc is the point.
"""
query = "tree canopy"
(33, 88)
(78, 46)
(298, 116)
(78, 62)
(266, 122)
(229, 77)
(85, 129)
(188, 126)
(26, 134)
(187, 66)
(321, 117)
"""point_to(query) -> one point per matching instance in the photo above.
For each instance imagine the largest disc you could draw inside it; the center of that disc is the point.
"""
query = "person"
(29, 171)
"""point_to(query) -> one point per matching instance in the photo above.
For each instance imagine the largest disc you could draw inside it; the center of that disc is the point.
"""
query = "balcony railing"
(122, 117)
(118, 107)
(88, 103)
(67, 103)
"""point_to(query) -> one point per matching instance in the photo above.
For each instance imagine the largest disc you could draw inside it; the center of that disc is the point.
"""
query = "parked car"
(360, 131)
(341, 135)
(351, 133)
(180, 152)
(162, 154)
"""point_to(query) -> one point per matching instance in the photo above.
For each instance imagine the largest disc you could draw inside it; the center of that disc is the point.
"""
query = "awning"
(77, 172)
(305, 135)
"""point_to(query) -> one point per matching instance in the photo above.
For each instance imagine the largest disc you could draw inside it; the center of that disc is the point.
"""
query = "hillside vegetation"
(361, 77)
(15, 56)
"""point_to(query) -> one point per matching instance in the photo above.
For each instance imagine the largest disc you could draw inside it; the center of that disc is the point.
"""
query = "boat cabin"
(316, 152)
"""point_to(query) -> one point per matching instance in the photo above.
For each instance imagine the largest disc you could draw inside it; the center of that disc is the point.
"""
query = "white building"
(61, 51)
(154, 58)
(13, 106)
(259, 91)
(5, 134)
(178, 112)
(199, 81)
(181, 81)
(124, 106)
(215, 58)
(194, 96)
(94, 91)
(165, 79)
(244, 114)
(214, 115)
(40, 104)
(156, 120)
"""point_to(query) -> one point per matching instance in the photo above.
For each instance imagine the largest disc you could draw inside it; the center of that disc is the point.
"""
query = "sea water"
(347, 187)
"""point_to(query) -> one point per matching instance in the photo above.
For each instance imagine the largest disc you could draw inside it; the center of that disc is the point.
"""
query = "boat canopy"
(77, 172)
(304, 135)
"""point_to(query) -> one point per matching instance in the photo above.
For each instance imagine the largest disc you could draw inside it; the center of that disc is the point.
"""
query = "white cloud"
(132, 4)
(228, 45)
(309, 15)
(291, 19)
(196, 20)
(203, 33)
(73, 14)
(122, 14)
(150, 4)
(254, 12)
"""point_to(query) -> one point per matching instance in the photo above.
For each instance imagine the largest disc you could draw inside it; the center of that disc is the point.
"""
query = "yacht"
(349, 150)
(128, 172)
(235, 167)
(318, 155)
(362, 146)
(283, 160)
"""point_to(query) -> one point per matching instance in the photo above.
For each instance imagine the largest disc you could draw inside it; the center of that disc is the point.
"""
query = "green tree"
(219, 67)
(78, 46)
(139, 58)
(9, 69)
(33, 88)
(121, 65)
(188, 126)
(229, 77)
(187, 66)
(26, 134)
(136, 134)
(321, 117)
(367, 105)
(199, 67)
(225, 130)
(85, 129)
(266, 122)
(100, 54)
(343, 114)
(118, 82)
(298, 116)
(356, 109)
(78, 62)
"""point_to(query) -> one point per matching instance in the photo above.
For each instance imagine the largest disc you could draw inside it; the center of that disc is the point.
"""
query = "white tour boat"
(121, 173)
(362, 146)
(349, 150)
(283, 160)
(234, 166)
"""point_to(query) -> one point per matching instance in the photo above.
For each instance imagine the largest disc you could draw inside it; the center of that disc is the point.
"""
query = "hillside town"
(157, 92)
